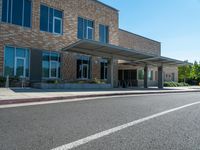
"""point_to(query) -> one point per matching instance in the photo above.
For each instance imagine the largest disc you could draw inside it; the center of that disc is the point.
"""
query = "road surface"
(144, 122)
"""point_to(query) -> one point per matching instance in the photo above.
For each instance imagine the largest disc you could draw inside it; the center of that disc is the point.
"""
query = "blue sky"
(175, 23)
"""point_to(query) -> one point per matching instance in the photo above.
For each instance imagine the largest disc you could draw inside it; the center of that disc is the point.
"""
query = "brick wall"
(139, 43)
(36, 39)
(168, 71)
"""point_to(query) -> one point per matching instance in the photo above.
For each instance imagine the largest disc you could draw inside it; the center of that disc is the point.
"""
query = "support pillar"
(160, 77)
(146, 76)
(112, 72)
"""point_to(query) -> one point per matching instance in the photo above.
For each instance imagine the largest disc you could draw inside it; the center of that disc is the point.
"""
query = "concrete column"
(112, 72)
(146, 76)
(160, 77)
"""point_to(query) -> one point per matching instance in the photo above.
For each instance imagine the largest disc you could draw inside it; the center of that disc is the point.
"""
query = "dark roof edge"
(139, 35)
(106, 5)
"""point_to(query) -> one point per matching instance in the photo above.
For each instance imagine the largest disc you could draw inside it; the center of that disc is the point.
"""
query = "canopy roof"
(96, 48)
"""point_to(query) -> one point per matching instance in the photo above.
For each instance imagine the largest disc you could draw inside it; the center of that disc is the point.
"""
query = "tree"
(195, 73)
(184, 72)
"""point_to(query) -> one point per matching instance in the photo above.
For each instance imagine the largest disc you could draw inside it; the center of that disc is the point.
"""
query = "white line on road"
(118, 128)
(78, 99)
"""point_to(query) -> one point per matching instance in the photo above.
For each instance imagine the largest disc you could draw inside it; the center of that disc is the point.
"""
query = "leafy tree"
(195, 73)
(184, 72)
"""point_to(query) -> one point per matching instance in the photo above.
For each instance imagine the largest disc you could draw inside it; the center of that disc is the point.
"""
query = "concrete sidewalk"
(25, 95)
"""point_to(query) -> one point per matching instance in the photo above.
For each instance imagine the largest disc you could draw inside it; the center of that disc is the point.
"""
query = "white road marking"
(118, 128)
(79, 99)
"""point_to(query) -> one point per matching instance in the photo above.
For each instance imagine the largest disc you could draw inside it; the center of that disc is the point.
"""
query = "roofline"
(139, 35)
(106, 5)
(173, 61)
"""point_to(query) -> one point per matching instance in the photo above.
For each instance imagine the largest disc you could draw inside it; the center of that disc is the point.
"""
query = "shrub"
(52, 81)
(175, 84)
(2, 79)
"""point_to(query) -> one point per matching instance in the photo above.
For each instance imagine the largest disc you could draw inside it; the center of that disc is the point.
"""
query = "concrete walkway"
(24, 95)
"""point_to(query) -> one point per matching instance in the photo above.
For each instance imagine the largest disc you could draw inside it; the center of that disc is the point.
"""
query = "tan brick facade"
(139, 43)
(33, 38)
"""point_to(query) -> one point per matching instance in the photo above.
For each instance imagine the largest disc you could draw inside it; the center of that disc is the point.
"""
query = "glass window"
(85, 29)
(141, 74)
(104, 69)
(43, 18)
(9, 61)
(80, 28)
(57, 25)
(27, 13)
(83, 67)
(150, 75)
(20, 67)
(50, 20)
(103, 33)
(16, 62)
(4, 10)
(17, 12)
(51, 65)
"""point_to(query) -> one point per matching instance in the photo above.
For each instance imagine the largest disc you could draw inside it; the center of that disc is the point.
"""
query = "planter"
(71, 86)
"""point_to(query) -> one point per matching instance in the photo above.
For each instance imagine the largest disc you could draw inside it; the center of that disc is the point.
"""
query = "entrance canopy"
(131, 56)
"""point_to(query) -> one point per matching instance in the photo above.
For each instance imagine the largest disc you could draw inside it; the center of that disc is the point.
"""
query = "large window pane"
(57, 13)
(103, 33)
(16, 62)
(9, 61)
(141, 74)
(20, 66)
(80, 28)
(17, 12)
(54, 69)
(27, 13)
(20, 52)
(45, 69)
(4, 10)
(43, 18)
(90, 34)
(83, 67)
(9, 11)
(51, 20)
(85, 29)
(51, 65)
(57, 26)
(107, 34)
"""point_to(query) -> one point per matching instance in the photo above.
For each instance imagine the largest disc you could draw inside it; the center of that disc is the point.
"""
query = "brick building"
(72, 40)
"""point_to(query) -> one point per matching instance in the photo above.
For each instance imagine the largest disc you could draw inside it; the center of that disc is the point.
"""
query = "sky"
(174, 23)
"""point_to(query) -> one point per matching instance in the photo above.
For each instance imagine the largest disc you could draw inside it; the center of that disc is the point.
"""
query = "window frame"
(105, 34)
(61, 25)
(54, 17)
(87, 28)
(49, 67)
(10, 21)
(104, 62)
(81, 58)
(27, 57)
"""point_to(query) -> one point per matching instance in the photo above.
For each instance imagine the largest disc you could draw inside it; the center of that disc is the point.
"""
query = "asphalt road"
(44, 127)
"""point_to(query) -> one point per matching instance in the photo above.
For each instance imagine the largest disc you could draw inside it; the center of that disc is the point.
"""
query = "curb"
(45, 99)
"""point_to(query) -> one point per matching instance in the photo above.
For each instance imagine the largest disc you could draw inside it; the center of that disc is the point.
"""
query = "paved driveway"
(44, 127)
